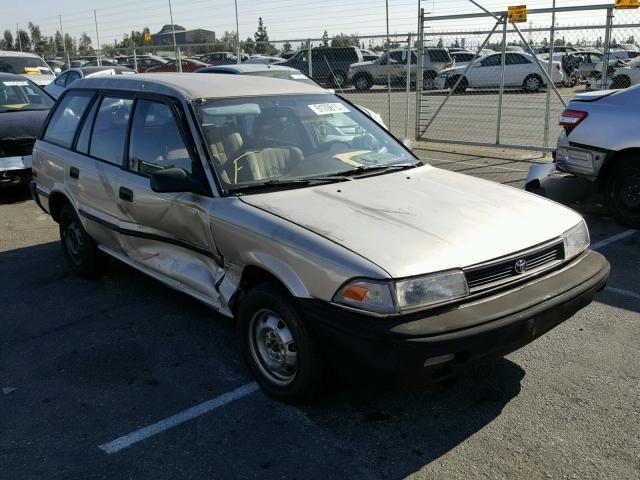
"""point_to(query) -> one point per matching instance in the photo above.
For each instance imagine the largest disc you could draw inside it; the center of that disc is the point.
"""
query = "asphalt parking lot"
(100, 379)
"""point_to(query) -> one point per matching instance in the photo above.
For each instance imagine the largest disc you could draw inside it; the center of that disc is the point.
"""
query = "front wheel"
(362, 83)
(277, 347)
(338, 79)
(622, 191)
(621, 81)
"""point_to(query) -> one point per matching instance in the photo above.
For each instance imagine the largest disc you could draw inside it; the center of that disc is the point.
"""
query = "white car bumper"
(440, 83)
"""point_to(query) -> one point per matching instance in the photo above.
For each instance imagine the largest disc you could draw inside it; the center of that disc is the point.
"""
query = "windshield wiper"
(291, 183)
(364, 169)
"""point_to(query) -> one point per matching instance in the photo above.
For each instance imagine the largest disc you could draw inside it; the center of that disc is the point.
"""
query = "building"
(183, 36)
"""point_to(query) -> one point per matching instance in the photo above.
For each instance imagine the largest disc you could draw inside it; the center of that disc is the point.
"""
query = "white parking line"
(170, 422)
(614, 238)
(625, 293)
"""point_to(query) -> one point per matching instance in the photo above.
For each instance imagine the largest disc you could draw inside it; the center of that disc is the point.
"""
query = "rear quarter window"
(64, 122)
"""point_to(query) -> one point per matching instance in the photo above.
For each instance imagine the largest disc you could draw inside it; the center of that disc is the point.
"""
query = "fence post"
(95, 18)
(502, 68)
(408, 78)
(309, 61)
(420, 53)
(135, 59)
(607, 48)
(64, 44)
(547, 112)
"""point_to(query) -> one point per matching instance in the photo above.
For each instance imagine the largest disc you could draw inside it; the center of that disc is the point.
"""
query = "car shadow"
(15, 194)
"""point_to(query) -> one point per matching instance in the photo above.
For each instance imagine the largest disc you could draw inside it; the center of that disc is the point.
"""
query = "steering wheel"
(327, 145)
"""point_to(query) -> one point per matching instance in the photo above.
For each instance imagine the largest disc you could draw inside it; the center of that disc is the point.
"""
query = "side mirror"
(174, 180)
(57, 70)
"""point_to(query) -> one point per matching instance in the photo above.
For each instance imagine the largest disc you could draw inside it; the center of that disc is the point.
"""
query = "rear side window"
(439, 55)
(64, 122)
(110, 129)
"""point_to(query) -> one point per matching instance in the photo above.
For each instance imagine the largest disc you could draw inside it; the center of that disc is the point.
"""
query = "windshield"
(24, 65)
(285, 75)
(22, 95)
(296, 137)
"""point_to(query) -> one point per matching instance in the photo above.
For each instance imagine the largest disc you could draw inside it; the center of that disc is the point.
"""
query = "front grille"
(503, 271)
(16, 148)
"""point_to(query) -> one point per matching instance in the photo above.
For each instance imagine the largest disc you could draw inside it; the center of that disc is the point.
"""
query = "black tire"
(622, 191)
(338, 79)
(532, 84)
(462, 86)
(80, 251)
(362, 83)
(267, 317)
(621, 81)
(428, 80)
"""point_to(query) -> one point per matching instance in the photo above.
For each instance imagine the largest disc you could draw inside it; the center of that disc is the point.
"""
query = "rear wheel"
(462, 86)
(622, 191)
(277, 346)
(338, 79)
(532, 84)
(621, 81)
(362, 83)
(429, 80)
(80, 250)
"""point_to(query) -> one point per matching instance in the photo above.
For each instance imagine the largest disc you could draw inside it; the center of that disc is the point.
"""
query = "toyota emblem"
(520, 266)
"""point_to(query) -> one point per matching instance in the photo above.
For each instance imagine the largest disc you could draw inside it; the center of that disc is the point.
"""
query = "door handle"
(125, 194)
(74, 173)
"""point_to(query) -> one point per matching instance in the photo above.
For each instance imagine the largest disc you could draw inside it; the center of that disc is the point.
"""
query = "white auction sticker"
(328, 108)
(298, 76)
(16, 83)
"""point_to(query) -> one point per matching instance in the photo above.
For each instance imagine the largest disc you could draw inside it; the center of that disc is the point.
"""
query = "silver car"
(600, 142)
(286, 208)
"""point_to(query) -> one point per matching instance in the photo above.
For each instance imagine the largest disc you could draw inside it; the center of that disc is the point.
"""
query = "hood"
(423, 220)
(458, 69)
(362, 64)
(593, 96)
(21, 125)
(41, 80)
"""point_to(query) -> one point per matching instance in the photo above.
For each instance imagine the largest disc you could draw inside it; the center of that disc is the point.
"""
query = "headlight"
(403, 295)
(431, 289)
(576, 240)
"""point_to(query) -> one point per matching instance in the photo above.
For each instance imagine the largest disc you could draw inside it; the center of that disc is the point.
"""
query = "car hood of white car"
(421, 220)
(41, 80)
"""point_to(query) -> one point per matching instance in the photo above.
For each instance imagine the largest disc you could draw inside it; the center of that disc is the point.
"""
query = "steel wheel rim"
(339, 79)
(629, 191)
(361, 83)
(273, 347)
(533, 83)
(73, 239)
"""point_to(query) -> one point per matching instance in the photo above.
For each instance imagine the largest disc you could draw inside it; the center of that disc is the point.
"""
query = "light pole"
(237, 34)
(64, 44)
(175, 45)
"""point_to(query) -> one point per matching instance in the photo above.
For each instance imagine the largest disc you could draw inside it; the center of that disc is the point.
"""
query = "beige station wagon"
(283, 206)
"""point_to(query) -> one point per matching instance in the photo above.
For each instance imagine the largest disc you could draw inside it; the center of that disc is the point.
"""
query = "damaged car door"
(167, 234)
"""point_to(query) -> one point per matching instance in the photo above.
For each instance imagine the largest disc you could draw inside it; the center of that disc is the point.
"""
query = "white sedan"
(520, 71)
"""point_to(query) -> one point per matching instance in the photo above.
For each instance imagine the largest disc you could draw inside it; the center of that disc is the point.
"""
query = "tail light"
(558, 67)
(570, 119)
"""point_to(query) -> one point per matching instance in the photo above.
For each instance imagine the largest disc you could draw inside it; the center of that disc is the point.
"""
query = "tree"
(262, 39)
(599, 43)
(38, 42)
(343, 40)
(70, 44)
(7, 40)
(286, 48)
(23, 42)
(325, 39)
(249, 46)
(57, 40)
(84, 45)
(440, 43)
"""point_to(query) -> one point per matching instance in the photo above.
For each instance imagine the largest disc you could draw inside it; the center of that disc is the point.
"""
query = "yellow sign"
(147, 37)
(627, 3)
(518, 14)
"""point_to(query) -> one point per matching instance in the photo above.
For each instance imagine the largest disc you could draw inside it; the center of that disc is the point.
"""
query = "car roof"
(9, 53)
(248, 68)
(6, 77)
(90, 70)
(195, 85)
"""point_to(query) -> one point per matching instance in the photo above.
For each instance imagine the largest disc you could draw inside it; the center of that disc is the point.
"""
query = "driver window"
(156, 142)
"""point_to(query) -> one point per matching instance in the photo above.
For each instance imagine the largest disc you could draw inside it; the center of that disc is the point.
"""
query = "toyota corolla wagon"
(284, 207)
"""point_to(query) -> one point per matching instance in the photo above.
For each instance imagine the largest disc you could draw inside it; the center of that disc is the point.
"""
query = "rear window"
(66, 117)
(439, 55)
(24, 66)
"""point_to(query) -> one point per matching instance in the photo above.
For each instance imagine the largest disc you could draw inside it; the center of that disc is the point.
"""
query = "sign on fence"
(627, 3)
(518, 14)
(147, 37)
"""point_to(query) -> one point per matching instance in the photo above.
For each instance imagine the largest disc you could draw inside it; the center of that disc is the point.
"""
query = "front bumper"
(15, 170)
(440, 83)
(425, 347)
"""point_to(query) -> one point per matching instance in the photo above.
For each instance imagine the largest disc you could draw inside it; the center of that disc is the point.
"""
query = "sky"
(285, 19)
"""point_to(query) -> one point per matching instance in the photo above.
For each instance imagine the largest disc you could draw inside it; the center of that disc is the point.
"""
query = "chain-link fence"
(511, 81)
